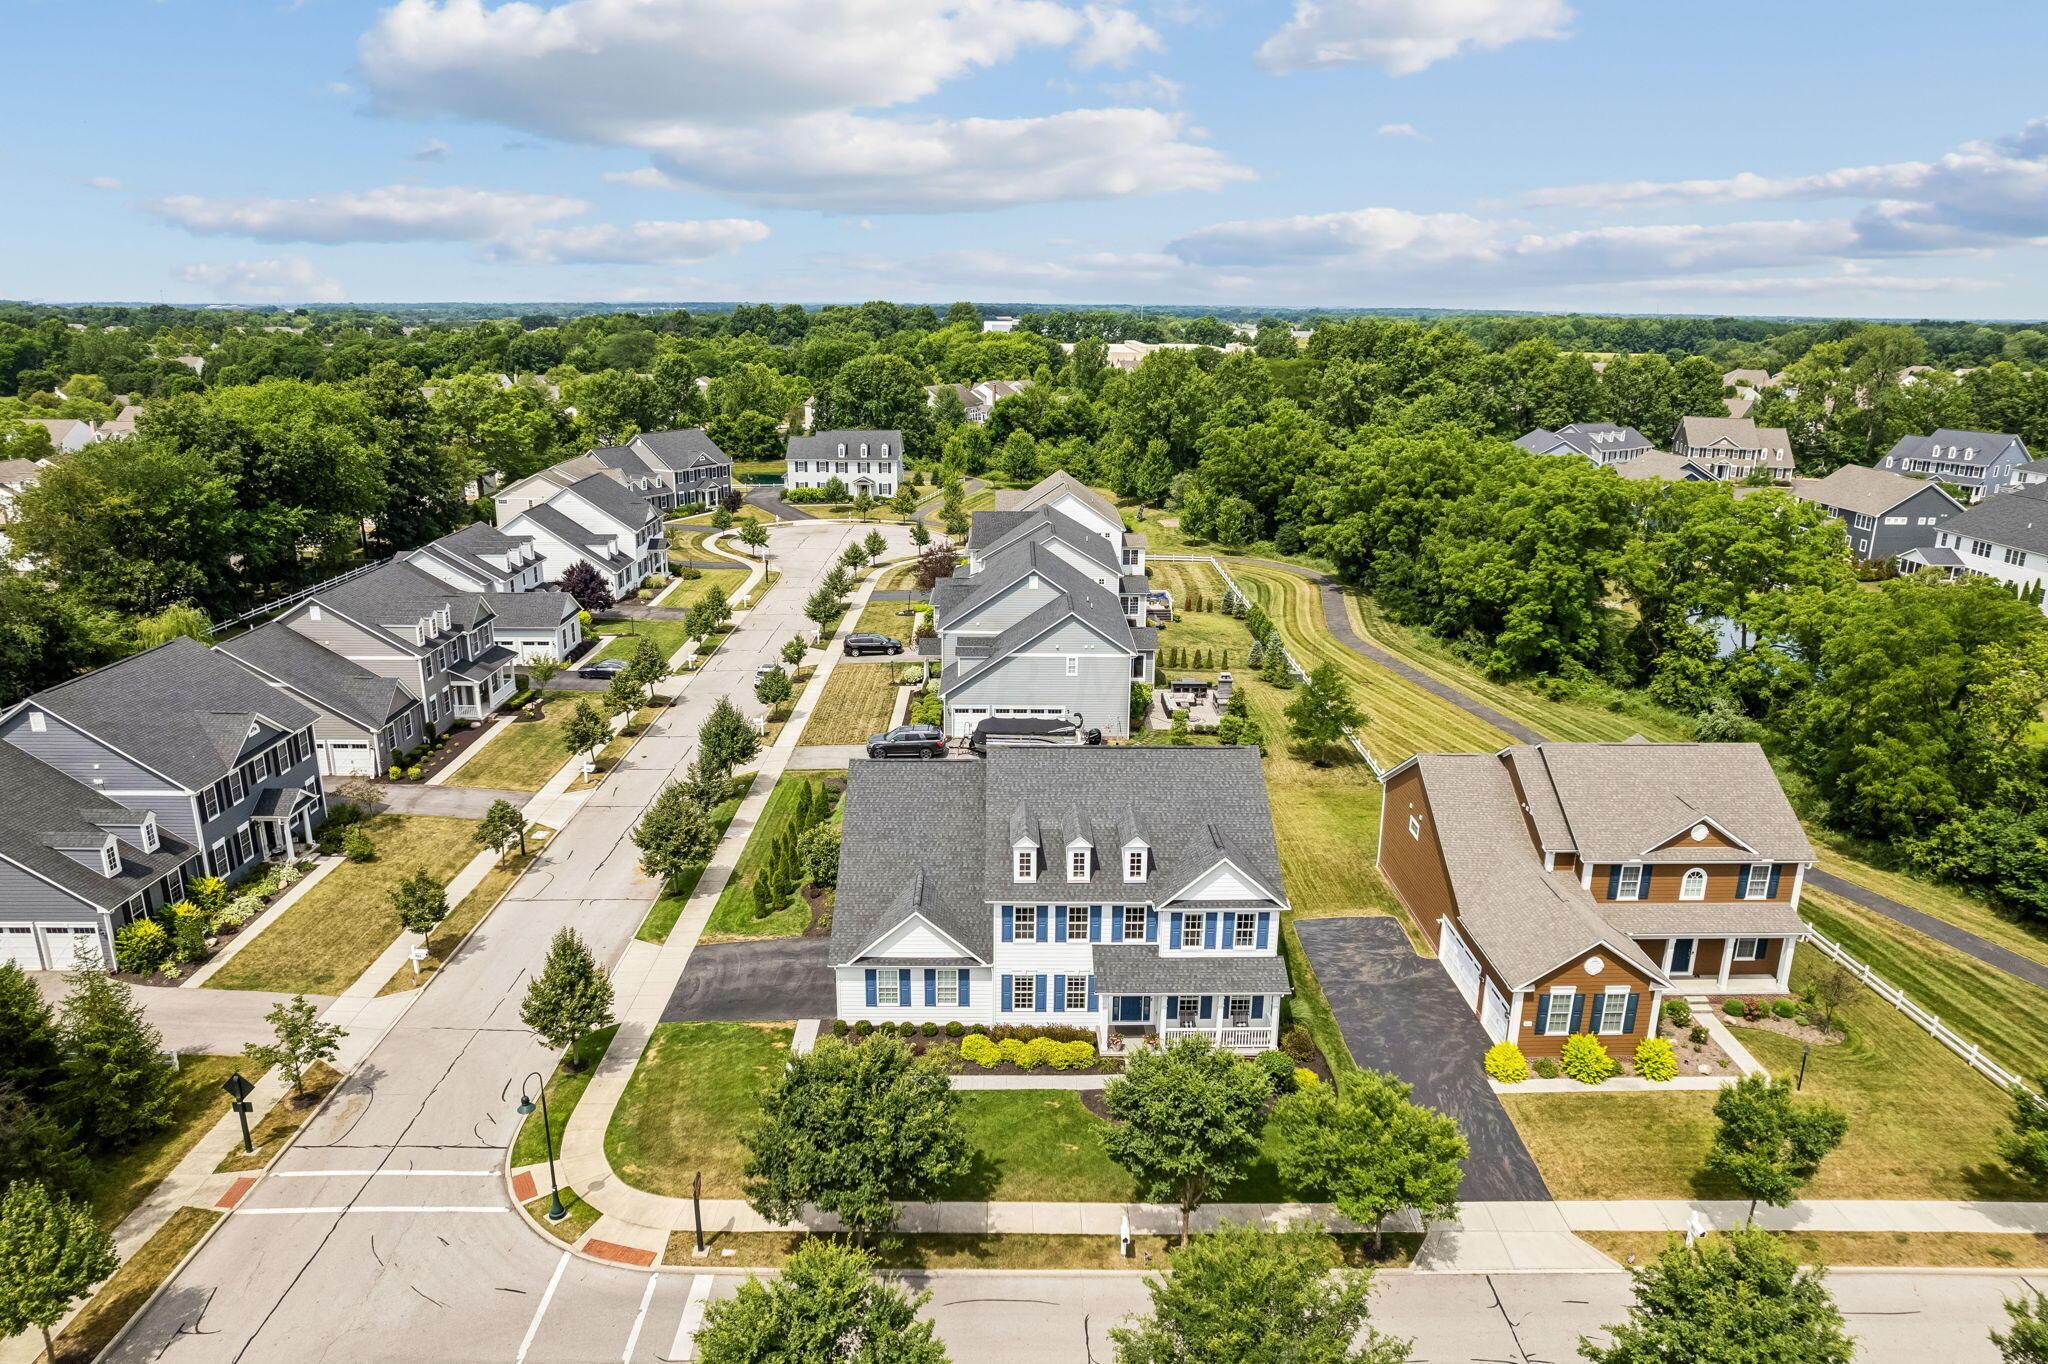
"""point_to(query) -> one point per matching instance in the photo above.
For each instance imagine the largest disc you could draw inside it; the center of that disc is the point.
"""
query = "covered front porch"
(1726, 965)
(484, 683)
(283, 822)
(1150, 997)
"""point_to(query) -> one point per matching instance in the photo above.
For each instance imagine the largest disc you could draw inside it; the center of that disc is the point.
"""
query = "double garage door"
(965, 718)
(49, 947)
(1480, 993)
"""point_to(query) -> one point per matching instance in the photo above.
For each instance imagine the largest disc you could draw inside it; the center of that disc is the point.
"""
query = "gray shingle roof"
(181, 709)
(1864, 491)
(37, 801)
(1735, 433)
(689, 448)
(1621, 800)
(348, 689)
(1659, 464)
(911, 829)
(526, 611)
(2015, 520)
(399, 594)
(614, 499)
(1592, 439)
(566, 529)
(825, 445)
(991, 533)
(1139, 969)
(1055, 485)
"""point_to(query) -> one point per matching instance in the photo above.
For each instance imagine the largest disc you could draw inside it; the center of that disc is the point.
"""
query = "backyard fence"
(1293, 664)
(290, 599)
(1973, 1055)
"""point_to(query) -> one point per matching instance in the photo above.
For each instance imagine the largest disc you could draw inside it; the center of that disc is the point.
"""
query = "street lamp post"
(556, 1212)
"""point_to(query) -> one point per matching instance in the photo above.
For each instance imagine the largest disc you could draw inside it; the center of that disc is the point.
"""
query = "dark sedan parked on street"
(909, 741)
(873, 644)
(604, 670)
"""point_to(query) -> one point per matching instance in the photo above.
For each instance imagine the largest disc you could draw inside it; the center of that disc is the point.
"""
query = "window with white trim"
(887, 994)
(1749, 949)
(1559, 1015)
(1077, 864)
(1630, 884)
(1613, 1010)
(1077, 994)
(1415, 827)
(1024, 922)
(1189, 1012)
(1027, 864)
(110, 861)
(1693, 886)
(1077, 923)
(946, 986)
(1245, 931)
(1759, 887)
(209, 803)
(1134, 864)
(1134, 923)
(245, 843)
(1073, 665)
(1240, 1010)
(1023, 994)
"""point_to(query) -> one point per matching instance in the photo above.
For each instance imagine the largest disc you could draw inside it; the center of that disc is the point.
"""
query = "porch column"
(291, 852)
(1785, 946)
(1727, 959)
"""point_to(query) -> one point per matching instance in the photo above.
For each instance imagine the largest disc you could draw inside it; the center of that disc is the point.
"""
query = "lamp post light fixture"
(556, 1212)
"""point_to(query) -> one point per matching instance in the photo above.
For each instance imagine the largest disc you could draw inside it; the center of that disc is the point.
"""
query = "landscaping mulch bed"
(1792, 1028)
(820, 902)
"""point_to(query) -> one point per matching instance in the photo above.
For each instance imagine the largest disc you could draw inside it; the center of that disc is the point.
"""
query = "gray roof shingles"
(38, 801)
(2014, 520)
(348, 689)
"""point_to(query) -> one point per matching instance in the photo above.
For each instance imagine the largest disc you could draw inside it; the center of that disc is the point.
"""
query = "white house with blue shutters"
(1135, 892)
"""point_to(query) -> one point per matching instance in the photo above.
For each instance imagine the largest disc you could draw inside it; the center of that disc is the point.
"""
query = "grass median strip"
(564, 1091)
(582, 1217)
(1862, 1249)
(1013, 1250)
(283, 1121)
(140, 1275)
(661, 920)
(857, 702)
(449, 933)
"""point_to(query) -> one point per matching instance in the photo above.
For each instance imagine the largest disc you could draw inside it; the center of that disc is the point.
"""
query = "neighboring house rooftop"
(40, 807)
(346, 688)
(398, 594)
(180, 709)
(688, 448)
(1952, 446)
(1659, 464)
(1050, 489)
(1591, 439)
(2013, 520)
(1736, 433)
(543, 610)
(614, 499)
(18, 473)
(825, 444)
(557, 523)
(1862, 490)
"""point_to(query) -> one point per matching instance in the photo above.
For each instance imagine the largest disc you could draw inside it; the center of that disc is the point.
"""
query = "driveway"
(1400, 1013)
(195, 1021)
(411, 798)
(764, 981)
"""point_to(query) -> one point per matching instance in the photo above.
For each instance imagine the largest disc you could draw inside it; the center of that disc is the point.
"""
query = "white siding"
(850, 983)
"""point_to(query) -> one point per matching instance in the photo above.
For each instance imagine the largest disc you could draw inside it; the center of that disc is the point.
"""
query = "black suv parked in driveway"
(873, 644)
(909, 741)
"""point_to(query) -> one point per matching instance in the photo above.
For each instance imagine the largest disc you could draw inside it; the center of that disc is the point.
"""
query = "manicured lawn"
(565, 1091)
(1308, 1007)
(733, 916)
(623, 636)
(770, 1249)
(117, 1183)
(1921, 1124)
(686, 592)
(582, 1217)
(525, 753)
(123, 1295)
(337, 929)
(697, 1087)
(892, 618)
(1036, 1145)
(448, 934)
(901, 578)
(283, 1121)
(662, 918)
(1874, 1249)
(857, 702)
(1207, 630)
(2009, 930)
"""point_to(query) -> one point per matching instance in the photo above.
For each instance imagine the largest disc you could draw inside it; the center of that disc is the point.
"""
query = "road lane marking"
(373, 1207)
(639, 1319)
(685, 1347)
(533, 1327)
(384, 1174)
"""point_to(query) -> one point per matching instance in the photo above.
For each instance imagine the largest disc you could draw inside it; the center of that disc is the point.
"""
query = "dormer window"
(1080, 861)
(1024, 862)
(110, 860)
(842, 449)
(1137, 858)
(149, 839)
(863, 449)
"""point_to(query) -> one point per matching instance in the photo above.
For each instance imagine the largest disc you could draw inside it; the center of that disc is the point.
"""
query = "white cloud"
(640, 177)
(393, 213)
(783, 100)
(1114, 37)
(433, 150)
(286, 279)
(1407, 130)
(1402, 37)
(1152, 88)
(103, 182)
(643, 243)
(340, 88)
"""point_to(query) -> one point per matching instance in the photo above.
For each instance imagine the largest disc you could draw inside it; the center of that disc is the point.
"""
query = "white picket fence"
(1293, 664)
(1973, 1055)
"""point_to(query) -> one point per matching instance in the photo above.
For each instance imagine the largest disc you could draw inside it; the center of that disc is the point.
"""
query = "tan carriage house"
(1569, 888)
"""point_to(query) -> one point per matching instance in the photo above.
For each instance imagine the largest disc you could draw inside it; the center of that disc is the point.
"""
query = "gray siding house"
(688, 469)
(480, 558)
(223, 759)
(362, 720)
(1978, 462)
(1603, 443)
(1885, 514)
(536, 624)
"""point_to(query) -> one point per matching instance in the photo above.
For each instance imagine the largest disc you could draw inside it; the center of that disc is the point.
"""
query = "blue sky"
(1816, 157)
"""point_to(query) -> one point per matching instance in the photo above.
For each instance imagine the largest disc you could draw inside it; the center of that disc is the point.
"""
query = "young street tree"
(823, 608)
(116, 1084)
(793, 651)
(849, 1130)
(585, 731)
(501, 826)
(1373, 1149)
(2027, 1341)
(676, 832)
(726, 739)
(772, 688)
(826, 1304)
(648, 664)
(421, 902)
(875, 545)
(301, 1040)
(754, 536)
(1770, 1143)
(1240, 1293)
(622, 694)
(52, 1253)
(1320, 715)
(1186, 1121)
(570, 998)
(919, 536)
(539, 673)
(905, 501)
(1734, 1298)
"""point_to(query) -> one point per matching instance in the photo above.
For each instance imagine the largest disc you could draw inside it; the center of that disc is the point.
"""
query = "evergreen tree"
(30, 1058)
(116, 1084)
(570, 998)
(35, 1145)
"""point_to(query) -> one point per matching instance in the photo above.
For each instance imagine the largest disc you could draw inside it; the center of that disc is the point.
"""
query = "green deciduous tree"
(824, 606)
(1323, 712)
(299, 1040)
(585, 731)
(1735, 1298)
(676, 832)
(754, 536)
(2027, 1340)
(847, 1129)
(1186, 1121)
(1372, 1149)
(569, 998)
(52, 1253)
(2025, 1147)
(1239, 1293)
(826, 1305)
(726, 739)
(1769, 1142)
(422, 902)
(772, 688)
(501, 826)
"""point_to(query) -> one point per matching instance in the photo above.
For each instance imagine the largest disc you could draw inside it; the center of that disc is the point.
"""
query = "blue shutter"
(1040, 1001)
(1628, 1022)
(963, 984)
(1092, 1005)
(1059, 994)
(1095, 923)
(1265, 921)
(1009, 995)
(1776, 872)
(1542, 1013)
(1207, 1000)
(1228, 935)
(1173, 1008)
(1009, 921)
(1614, 881)
(1643, 885)
(931, 988)
(1044, 913)
(1116, 924)
(1578, 1011)
(1172, 929)
(1742, 883)
(1258, 1006)
(903, 987)
(1208, 932)
(1059, 926)
(871, 987)
(1151, 925)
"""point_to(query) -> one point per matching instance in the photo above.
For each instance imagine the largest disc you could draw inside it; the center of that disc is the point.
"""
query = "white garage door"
(18, 945)
(347, 760)
(1495, 1014)
(963, 719)
(62, 945)
(1461, 964)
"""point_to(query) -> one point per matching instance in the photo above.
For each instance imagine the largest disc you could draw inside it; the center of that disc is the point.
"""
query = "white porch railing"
(1972, 1055)
(1260, 1038)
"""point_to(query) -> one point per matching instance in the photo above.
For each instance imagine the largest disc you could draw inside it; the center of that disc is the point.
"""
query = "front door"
(1681, 956)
